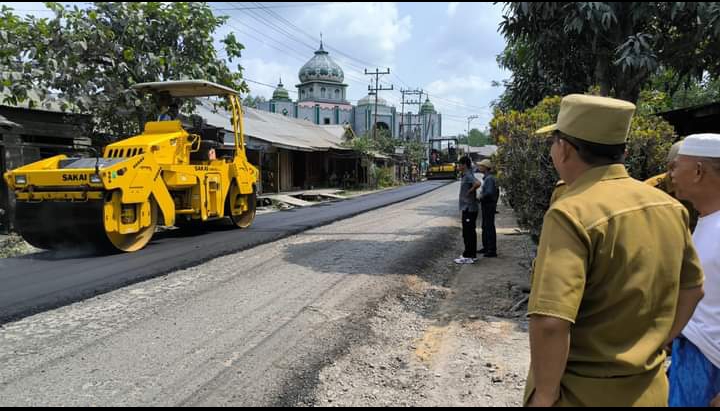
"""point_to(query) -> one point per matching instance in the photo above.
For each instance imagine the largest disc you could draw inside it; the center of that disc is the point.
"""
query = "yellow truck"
(170, 174)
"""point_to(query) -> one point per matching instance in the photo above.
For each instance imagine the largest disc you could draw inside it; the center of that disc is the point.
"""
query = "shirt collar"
(602, 173)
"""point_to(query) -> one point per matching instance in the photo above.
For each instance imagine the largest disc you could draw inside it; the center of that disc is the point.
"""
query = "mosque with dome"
(322, 99)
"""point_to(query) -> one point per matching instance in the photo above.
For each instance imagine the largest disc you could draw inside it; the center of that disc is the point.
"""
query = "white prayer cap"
(701, 145)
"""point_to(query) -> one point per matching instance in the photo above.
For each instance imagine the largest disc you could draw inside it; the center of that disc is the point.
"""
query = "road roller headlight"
(20, 180)
(95, 179)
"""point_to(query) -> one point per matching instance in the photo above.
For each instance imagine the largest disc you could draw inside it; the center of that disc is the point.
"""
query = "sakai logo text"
(75, 177)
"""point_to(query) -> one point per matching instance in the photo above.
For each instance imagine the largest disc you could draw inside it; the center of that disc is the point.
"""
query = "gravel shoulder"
(452, 336)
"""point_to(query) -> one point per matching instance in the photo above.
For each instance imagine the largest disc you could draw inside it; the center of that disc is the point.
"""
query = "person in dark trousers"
(489, 195)
(469, 208)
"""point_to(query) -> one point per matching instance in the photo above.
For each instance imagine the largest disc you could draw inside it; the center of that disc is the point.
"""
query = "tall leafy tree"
(250, 101)
(563, 47)
(91, 56)
(476, 138)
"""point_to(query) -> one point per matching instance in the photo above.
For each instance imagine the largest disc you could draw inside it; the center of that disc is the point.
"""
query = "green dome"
(427, 107)
(280, 93)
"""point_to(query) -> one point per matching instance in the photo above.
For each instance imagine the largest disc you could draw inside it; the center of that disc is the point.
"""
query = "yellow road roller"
(444, 154)
(174, 173)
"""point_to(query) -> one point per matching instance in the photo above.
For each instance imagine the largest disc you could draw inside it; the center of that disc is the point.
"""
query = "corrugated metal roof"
(276, 129)
(51, 103)
(7, 123)
(486, 151)
(339, 131)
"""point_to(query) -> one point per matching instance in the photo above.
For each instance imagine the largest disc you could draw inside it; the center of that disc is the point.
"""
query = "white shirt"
(703, 330)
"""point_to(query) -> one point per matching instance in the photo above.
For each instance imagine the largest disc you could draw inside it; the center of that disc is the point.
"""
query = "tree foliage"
(476, 138)
(250, 101)
(383, 143)
(92, 56)
(566, 47)
(526, 171)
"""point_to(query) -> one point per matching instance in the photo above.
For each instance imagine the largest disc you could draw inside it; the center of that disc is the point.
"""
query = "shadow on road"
(408, 253)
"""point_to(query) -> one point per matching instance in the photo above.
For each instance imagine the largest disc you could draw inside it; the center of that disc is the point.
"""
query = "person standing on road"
(469, 209)
(695, 368)
(616, 276)
(489, 195)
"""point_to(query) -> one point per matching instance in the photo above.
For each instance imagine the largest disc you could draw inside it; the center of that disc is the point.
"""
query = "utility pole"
(376, 89)
(411, 102)
(469, 119)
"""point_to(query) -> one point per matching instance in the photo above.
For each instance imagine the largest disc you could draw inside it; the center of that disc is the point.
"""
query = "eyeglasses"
(550, 141)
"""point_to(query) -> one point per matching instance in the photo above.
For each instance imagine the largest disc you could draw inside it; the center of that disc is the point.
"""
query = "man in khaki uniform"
(616, 276)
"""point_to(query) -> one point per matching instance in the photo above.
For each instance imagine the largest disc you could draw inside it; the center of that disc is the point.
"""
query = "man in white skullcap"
(664, 182)
(695, 369)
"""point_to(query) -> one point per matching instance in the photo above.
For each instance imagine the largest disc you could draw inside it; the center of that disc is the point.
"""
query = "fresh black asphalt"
(47, 280)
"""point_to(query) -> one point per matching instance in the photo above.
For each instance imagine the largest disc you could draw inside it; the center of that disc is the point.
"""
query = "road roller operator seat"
(211, 141)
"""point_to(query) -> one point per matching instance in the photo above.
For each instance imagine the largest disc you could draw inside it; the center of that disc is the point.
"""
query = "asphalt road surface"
(48, 280)
(253, 328)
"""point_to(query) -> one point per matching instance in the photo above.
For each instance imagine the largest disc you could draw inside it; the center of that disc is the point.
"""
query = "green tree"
(415, 151)
(526, 171)
(253, 102)
(559, 48)
(476, 138)
(693, 92)
(92, 56)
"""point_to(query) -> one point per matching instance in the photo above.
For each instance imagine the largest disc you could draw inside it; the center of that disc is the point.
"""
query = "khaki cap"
(485, 163)
(600, 120)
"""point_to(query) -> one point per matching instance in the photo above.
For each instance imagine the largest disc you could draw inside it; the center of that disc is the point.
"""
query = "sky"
(448, 49)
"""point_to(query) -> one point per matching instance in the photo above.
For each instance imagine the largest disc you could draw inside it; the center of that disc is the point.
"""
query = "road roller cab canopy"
(185, 88)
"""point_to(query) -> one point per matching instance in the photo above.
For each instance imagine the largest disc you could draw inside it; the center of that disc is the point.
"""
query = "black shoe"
(490, 255)
(482, 251)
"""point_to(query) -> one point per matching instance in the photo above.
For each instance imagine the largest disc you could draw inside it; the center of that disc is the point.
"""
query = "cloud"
(454, 61)
(262, 71)
(470, 83)
(355, 26)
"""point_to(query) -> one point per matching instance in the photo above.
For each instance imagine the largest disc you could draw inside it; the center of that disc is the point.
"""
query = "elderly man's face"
(686, 173)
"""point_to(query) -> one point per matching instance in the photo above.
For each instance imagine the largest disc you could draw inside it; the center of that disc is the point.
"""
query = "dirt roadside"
(454, 336)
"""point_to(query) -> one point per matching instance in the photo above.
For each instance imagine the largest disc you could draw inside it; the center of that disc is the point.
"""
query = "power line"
(288, 23)
(266, 85)
(262, 20)
(291, 25)
(285, 28)
(283, 33)
(284, 6)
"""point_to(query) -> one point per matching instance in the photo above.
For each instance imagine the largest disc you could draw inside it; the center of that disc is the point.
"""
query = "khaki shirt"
(560, 189)
(612, 257)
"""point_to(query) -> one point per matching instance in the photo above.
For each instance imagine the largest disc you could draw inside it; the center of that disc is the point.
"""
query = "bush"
(384, 177)
(525, 169)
